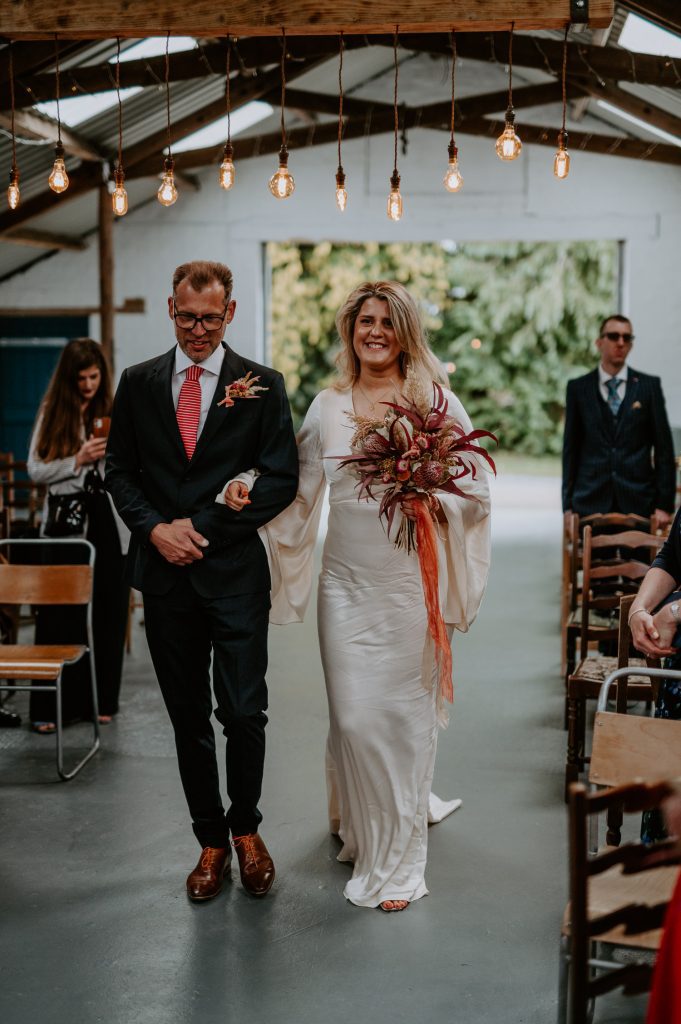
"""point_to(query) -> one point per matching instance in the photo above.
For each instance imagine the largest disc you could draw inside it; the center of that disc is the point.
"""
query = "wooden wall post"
(106, 272)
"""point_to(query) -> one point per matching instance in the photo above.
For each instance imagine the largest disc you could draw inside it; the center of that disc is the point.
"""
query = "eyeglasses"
(187, 321)
(616, 335)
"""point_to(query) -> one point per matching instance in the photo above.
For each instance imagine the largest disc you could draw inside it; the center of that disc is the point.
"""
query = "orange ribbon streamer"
(427, 551)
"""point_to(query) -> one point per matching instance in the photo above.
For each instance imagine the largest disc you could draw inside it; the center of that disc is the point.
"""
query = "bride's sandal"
(392, 906)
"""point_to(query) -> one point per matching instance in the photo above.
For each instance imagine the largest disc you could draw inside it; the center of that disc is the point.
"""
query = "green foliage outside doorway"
(534, 307)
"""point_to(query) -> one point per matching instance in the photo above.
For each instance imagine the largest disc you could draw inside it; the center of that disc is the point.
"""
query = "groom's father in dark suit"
(618, 454)
(201, 566)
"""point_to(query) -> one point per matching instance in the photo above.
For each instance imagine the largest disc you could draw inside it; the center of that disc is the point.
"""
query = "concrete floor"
(95, 922)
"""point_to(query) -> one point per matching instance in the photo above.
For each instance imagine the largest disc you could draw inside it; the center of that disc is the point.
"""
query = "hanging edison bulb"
(508, 144)
(395, 197)
(341, 193)
(58, 179)
(453, 179)
(119, 197)
(167, 192)
(13, 192)
(226, 172)
(561, 161)
(282, 184)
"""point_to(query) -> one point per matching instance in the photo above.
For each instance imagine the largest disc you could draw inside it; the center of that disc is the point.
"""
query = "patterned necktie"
(614, 400)
(189, 408)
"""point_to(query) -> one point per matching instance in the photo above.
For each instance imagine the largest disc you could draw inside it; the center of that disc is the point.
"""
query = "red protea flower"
(375, 444)
(429, 474)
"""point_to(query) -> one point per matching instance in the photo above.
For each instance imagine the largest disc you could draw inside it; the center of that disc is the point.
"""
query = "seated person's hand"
(236, 495)
(667, 627)
(649, 635)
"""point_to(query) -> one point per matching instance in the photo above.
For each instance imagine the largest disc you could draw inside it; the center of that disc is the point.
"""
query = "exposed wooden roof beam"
(130, 306)
(44, 240)
(595, 62)
(434, 114)
(81, 180)
(323, 134)
(634, 105)
(30, 122)
(102, 18)
(665, 13)
(32, 58)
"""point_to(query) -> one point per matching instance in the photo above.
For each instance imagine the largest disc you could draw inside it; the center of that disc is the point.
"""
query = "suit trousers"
(183, 627)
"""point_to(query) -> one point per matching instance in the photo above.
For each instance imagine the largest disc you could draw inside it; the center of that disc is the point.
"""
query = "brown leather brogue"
(255, 864)
(205, 881)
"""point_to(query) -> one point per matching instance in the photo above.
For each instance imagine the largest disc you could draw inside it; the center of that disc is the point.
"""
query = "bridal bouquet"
(417, 448)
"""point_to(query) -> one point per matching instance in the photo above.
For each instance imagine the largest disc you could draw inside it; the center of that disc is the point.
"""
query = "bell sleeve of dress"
(290, 538)
(464, 539)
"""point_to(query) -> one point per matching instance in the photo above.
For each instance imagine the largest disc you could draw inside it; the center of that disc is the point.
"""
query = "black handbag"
(66, 515)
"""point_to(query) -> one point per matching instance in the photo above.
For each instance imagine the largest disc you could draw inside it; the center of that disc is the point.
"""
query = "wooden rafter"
(33, 19)
(435, 117)
(29, 122)
(435, 114)
(46, 240)
(631, 104)
(665, 13)
(32, 58)
(595, 62)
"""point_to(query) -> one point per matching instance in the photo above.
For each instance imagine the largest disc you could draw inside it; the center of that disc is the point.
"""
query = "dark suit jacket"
(152, 481)
(621, 463)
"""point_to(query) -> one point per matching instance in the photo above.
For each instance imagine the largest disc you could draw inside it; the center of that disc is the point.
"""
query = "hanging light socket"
(561, 161)
(227, 173)
(453, 179)
(281, 183)
(13, 192)
(508, 145)
(167, 192)
(395, 198)
(58, 179)
(341, 193)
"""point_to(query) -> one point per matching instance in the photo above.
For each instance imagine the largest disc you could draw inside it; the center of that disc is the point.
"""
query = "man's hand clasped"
(178, 542)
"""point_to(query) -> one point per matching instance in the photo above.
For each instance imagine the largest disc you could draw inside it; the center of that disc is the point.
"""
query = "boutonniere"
(244, 387)
(636, 405)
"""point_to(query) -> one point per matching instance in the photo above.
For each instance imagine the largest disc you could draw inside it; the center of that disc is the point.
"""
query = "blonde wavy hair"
(410, 332)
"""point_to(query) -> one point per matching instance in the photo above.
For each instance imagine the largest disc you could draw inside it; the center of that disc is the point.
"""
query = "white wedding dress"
(377, 656)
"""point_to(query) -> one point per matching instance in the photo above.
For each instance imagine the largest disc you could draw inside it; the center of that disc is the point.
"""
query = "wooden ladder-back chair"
(610, 522)
(48, 585)
(618, 897)
(22, 499)
(601, 621)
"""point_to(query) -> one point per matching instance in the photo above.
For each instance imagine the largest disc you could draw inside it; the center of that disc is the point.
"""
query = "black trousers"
(182, 629)
(64, 624)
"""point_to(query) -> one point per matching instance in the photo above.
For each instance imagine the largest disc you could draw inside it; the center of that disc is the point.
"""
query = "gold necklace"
(380, 395)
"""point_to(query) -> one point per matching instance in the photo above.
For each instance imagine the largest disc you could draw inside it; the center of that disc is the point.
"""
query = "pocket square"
(636, 405)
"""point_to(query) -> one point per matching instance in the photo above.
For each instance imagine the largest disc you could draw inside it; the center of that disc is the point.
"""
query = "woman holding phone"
(67, 454)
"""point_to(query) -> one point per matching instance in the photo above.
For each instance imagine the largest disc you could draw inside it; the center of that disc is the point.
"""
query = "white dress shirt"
(208, 379)
(622, 377)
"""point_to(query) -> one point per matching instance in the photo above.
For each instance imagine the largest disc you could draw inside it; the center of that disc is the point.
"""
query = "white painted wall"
(633, 201)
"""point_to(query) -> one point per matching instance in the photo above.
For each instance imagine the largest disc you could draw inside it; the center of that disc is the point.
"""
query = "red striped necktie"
(189, 408)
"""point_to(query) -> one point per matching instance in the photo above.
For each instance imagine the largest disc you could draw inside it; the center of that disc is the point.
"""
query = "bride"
(377, 655)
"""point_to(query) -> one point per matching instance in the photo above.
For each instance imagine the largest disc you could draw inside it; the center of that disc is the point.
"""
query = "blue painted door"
(29, 351)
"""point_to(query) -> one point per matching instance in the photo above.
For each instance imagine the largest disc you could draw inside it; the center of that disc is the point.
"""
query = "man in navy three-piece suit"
(618, 454)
